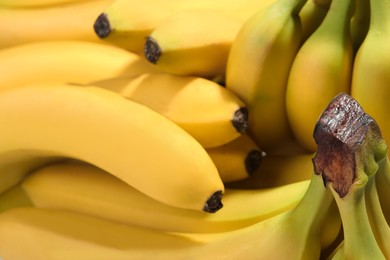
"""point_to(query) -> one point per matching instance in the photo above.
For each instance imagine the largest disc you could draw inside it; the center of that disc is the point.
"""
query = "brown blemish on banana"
(342, 134)
(240, 120)
(102, 26)
(152, 50)
(214, 203)
(253, 160)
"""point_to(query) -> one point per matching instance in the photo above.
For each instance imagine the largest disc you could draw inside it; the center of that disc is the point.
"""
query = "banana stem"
(293, 6)
(360, 23)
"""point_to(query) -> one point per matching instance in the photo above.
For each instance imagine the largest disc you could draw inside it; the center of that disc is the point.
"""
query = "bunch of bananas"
(183, 129)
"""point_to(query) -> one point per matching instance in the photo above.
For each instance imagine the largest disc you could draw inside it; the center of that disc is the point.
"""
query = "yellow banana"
(126, 23)
(66, 61)
(82, 188)
(193, 42)
(277, 170)
(212, 114)
(371, 71)
(14, 197)
(35, 3)
(311, 15)
(237, 159)
(67, 235)
(68, 21)
(321, 70)
(127, 139)
(360, 23)
(350, 146)
(265, 47)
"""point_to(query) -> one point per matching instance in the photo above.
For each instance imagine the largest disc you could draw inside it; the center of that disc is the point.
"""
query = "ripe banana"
(35, 3)
(127, 139)
(321, 70)
(66, 235)
(66, 61)
(277, 170)
(237, 159)
(350, 146)
(126, 23)
(311, 15)
(360, 23)
(15, 197)
(371, 71)
(264, 47)
(68, 21)
(82, 188)
(212, 114)
(193, 42)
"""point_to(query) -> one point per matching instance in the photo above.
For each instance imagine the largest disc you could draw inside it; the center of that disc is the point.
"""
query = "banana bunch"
(185, 129)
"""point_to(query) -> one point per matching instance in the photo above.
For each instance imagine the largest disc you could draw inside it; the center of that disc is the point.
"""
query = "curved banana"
(85, 189)
(66, 61)
(36, 3)
(212, 114)
(264, 47)
(237, 159)
(360, 23)
(72, 21)
(371, 71)
(312, 14)
(69, 235)
(15, 197)
(277, 170)
(193, 42)
(126, 23)
(127, 139)
(321, 70)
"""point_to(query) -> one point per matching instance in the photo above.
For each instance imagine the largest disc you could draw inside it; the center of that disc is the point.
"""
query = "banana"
(66, 61)
(372, 66)
(68, 21)
(350, 146)
(311, 15)
(15, 197)
(35, 3)
(127, 139)
(126, 23)
(277, 170)
(82, 188)
(264, 47)
(212, 114)
(321, 70)
(237, 159)
(68, 235)
(193, 42)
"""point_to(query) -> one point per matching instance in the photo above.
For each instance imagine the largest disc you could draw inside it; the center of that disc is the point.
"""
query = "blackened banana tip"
(214, 203)
(253, 161)
(102, 26)
(152, 50)
(240, 120)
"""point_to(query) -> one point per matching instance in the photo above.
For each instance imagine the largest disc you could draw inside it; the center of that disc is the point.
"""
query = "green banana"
(349, 148)
(360, 23)
(321, 70)
(265, 47)
(371, 71)
(311, 15)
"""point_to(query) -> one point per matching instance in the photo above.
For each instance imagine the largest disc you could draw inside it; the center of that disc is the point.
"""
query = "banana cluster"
(183, 129)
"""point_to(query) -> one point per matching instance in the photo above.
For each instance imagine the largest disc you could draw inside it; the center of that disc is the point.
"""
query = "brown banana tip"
(343, 133)
(214, 203)
(240, 120)
(253, 160)
(102, 26)
(152, 50)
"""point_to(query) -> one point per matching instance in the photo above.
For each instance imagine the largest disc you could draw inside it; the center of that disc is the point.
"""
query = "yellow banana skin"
(193, 42)
(68, 21)
(36, 3)
(237, 159)
(92, 238)
(49, 62)
(311, 15)
(82, 188)
(113, 133)
(264, 47)
(328, 55)
(212, 114)
(15, 197)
